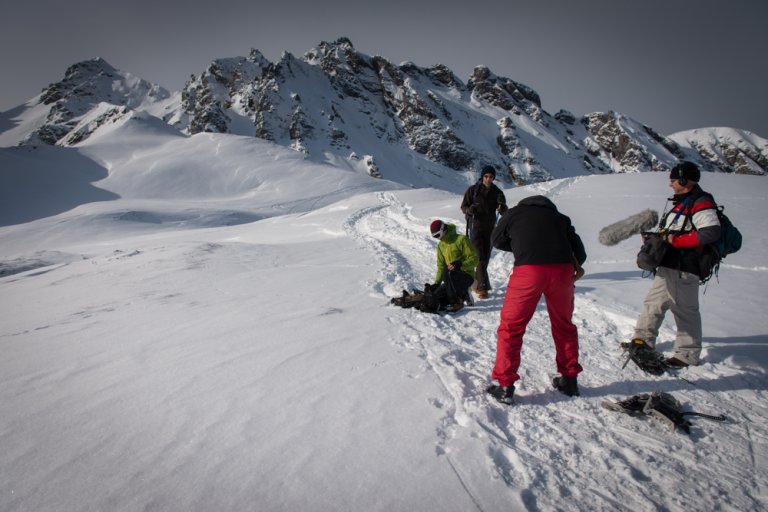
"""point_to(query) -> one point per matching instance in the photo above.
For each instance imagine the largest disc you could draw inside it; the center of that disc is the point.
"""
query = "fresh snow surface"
(204, 324)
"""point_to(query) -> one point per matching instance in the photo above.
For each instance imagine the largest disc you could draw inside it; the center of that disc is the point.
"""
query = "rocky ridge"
(338, 104)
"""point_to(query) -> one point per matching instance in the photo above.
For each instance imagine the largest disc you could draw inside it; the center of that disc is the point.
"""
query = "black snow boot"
(566, 385)
(503, 394)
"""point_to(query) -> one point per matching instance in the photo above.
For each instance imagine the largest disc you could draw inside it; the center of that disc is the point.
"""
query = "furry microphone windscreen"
(635, 224)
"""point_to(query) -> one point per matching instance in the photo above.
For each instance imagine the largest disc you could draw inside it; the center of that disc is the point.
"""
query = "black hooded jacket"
(537, 234)
(481, 203)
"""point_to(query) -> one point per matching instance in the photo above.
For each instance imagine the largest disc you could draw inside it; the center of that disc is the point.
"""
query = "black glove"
(473, 209)
(456, 264)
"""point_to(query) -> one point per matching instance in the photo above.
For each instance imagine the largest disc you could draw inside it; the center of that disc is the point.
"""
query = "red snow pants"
(526, 286)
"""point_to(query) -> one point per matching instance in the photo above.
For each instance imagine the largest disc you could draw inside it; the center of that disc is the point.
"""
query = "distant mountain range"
(340, 106)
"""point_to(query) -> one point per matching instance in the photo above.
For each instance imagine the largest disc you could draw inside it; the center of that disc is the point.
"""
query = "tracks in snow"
(459, 351)
(517, 443)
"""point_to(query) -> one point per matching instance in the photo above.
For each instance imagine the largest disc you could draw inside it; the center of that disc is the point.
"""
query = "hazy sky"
(671, 64)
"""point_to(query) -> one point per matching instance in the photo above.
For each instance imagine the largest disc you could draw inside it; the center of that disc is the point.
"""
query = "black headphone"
(685, 173)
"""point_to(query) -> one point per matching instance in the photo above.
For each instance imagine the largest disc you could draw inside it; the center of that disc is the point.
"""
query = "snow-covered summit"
(96, 78)
(56, 114)
(729, 149)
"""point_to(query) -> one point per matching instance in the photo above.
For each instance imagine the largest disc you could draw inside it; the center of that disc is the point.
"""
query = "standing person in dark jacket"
(691, 224)
(547, 253)
(480, 204)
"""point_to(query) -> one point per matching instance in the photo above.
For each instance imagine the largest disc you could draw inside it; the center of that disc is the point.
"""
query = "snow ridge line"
(554, 188)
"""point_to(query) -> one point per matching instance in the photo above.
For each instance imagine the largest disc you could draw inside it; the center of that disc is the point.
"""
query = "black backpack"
(430, 300)
(730, 236)
(711, 255)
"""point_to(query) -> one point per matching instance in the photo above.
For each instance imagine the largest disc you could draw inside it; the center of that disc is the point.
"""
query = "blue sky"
(671, 64)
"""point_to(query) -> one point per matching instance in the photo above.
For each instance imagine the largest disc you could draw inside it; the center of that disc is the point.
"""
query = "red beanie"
(436, 227)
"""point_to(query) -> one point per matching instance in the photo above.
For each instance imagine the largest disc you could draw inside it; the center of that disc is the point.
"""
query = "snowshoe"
(633, 405)
(661, 406)
(666, 408)
(674, 363)
(647, 359)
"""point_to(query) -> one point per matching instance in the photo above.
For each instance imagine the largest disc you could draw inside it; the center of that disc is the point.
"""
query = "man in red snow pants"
(548, 257)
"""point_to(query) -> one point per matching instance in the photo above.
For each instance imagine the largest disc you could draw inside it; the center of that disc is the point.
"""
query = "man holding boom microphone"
(691, 224)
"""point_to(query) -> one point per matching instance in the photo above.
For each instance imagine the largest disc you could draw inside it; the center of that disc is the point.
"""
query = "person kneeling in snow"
(548, 257)
(456, 262)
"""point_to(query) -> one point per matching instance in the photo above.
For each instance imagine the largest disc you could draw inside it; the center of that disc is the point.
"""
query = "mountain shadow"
(41, 181)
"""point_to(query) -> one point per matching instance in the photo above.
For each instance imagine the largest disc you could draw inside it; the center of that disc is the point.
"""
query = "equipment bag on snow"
(661, 406)
(430, 300)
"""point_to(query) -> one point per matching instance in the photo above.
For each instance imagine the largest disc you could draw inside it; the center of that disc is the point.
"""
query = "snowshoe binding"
(647, 359)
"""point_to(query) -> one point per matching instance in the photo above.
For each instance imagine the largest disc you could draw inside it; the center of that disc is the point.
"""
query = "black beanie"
(488, 169)
(687, 170)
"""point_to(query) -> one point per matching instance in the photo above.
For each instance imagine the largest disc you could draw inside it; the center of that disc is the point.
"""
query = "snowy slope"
(203, 324)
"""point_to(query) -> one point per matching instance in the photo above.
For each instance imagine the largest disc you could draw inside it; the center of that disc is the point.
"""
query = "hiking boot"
(566, 385)
(453, 308)
(481, 294)
(674, 362)
(502, 394)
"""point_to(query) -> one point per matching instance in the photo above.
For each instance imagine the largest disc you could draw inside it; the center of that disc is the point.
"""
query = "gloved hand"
(473, 209)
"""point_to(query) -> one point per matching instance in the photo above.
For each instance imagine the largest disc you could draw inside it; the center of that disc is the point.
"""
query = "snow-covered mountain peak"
(733, 150)
(53, 115)
(97, 79)
(401, 122)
